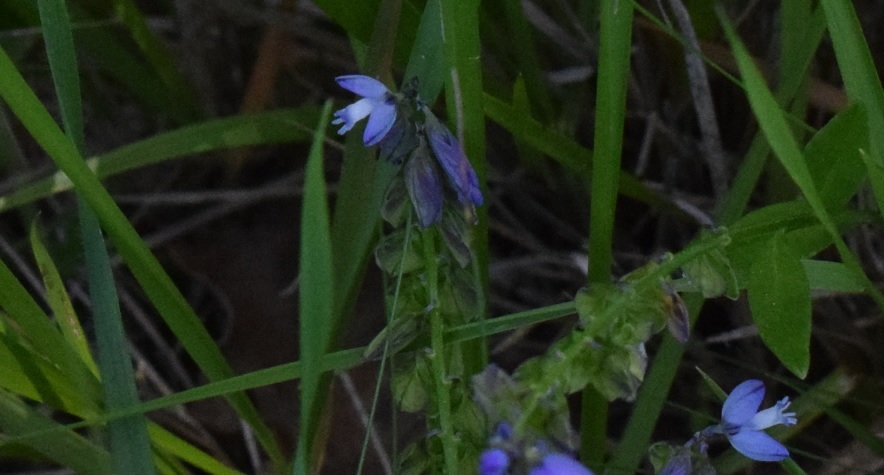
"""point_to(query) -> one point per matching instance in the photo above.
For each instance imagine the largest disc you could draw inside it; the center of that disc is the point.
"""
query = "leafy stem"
(437, 355)
(557, 372)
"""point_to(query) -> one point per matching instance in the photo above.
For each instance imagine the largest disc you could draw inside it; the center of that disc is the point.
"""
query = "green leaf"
(779, 297)
(831, 277)
(316, 293)
(427, 61)
(860, 80)
(833, 156)
(409, 384)
(773, 123)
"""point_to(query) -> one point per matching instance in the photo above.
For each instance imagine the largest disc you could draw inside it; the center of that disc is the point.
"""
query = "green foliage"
(316, 296)
(557, 96)
(779, 296)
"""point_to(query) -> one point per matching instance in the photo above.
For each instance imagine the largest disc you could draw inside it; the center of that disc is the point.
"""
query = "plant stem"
(437, 355)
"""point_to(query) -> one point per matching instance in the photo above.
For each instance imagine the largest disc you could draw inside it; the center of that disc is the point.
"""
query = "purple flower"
(494, 462)
(377, 103)
(454, 161)
(424, 187)
(743, 424)
(559, 464)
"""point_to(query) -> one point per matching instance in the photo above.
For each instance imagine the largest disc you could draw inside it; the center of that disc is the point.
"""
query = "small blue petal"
(379, 122)
(353, 113)
(424, 188)
(493, 462)
(742, 403)
(758, 446)
(559, 464)
(363, 85)
(774, 415)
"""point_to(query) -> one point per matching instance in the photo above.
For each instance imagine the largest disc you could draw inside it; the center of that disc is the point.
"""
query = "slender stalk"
(615, 40)
(437, 355)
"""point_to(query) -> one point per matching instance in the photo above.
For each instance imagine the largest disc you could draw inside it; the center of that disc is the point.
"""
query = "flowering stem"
(437, 356)
(554, 372)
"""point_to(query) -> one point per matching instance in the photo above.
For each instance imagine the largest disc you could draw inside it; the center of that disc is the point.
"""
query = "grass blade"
(464, 95)
(60, 302)
(610, 110)
(41, 335)
(316, 295)
(130, 446)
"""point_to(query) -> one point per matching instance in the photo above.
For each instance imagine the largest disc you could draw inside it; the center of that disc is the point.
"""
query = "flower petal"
(353, 113)
(454, 161)
(559, 464)
(379, 122)
(424, 188)
(493, 462)
(363, 85)
(774, 415)
(759, 446)
(742, 403)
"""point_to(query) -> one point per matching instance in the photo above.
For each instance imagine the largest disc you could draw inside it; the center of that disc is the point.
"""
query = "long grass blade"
(316, 293)
(130, 446)
(610, 110)
(60, 302)
(464, 95)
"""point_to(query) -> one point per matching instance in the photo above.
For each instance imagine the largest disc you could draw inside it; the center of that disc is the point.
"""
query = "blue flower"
(377, 103)
(559, 464)
(494, 462)
(743, 424)
(454, 161)
(424, 187)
